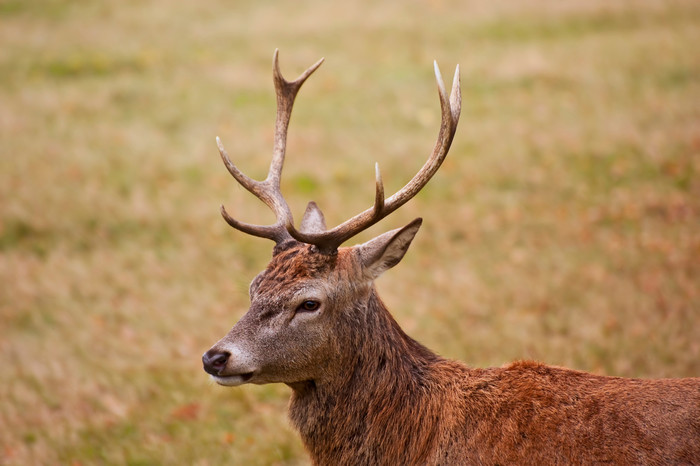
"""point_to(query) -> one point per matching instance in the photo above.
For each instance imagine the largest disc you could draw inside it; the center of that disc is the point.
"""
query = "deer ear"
(385, 251)
(313, 221)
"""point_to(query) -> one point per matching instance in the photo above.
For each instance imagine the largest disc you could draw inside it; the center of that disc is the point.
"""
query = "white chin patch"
(231, 380)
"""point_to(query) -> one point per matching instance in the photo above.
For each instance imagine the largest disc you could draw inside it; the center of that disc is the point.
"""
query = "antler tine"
(248, 183)
(269, 190)
(379, 190)
(450, 106)
(455, 97)
(286, 93)
(274, 232)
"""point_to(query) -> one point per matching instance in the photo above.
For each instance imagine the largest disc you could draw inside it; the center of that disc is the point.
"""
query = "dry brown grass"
(564, 226)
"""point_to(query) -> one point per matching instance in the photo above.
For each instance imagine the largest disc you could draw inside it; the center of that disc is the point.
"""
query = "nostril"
(215, 361)
(219, 360)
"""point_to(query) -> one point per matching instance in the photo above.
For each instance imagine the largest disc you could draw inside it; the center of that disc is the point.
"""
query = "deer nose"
(214, 361)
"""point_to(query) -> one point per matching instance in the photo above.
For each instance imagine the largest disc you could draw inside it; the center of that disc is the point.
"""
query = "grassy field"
(563, 227)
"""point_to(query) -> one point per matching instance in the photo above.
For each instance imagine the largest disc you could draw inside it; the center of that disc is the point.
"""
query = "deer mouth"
(233, 380)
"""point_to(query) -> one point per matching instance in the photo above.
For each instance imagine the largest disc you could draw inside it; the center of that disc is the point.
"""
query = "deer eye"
(308, 306)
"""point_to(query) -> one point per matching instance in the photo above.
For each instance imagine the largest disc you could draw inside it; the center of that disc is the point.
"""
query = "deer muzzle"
(225, 368)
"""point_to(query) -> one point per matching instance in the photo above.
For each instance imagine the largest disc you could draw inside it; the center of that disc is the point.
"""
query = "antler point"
(438, 78)
(230, 220)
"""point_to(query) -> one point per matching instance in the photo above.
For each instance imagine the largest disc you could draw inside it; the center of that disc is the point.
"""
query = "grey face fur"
(299, 305)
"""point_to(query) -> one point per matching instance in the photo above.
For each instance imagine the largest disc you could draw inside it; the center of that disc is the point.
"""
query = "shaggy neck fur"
(387, 385)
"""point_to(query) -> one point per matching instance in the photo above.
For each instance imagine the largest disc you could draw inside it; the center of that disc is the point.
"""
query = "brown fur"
(376, 396)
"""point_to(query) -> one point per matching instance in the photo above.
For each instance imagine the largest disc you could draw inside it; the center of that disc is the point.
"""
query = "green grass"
(564, 226)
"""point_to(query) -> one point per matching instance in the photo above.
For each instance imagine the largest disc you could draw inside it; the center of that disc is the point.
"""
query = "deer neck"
(382, 369)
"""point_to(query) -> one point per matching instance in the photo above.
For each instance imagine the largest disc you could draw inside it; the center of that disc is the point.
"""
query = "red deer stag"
(363, 392)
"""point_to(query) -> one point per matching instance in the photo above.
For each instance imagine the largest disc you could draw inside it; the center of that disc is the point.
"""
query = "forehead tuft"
(302, 261)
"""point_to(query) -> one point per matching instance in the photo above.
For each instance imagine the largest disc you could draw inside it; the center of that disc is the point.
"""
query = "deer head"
(305, 305)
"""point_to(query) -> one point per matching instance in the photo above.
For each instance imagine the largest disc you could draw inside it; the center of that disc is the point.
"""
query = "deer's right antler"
(269, 190)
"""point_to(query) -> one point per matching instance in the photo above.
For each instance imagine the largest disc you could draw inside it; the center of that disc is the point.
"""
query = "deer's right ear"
(385, 251)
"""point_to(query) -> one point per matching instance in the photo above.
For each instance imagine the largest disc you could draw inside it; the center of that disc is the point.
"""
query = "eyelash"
(308, 306)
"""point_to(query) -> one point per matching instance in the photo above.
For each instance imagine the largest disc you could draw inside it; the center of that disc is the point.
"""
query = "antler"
(270, 193)
(269, 190)
(329, 241)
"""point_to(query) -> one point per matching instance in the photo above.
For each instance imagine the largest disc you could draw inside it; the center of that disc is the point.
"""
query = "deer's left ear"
(385, 251)
(313, 220)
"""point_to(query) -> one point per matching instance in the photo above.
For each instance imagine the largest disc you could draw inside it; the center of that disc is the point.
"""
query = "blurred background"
(563, 227)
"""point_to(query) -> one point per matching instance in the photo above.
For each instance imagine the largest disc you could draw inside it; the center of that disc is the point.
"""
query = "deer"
(364, 392)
